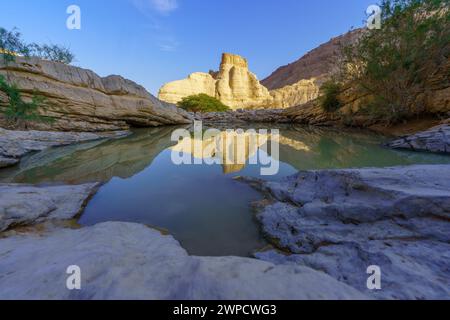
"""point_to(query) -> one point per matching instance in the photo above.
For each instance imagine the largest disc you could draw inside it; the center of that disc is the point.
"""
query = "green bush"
(202, 103)
(17, 111)
(329, 99)
(393, 64)
(12, 45)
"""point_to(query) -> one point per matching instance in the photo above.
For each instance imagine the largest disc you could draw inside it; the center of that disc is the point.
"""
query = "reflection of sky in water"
(201, 205)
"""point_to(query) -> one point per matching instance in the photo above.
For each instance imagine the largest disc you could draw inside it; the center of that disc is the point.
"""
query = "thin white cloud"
(168, 45)
(159, 6)
(164, 6)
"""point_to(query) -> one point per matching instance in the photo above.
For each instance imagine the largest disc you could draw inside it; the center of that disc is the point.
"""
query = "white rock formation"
(26, 205)
(343, 221)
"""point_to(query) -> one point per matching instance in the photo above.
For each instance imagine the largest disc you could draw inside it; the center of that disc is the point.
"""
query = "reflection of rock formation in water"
(301, 147)
(94, 161)
(233, 150)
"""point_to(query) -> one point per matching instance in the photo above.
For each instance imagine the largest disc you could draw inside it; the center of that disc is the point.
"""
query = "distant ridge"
(317, 63)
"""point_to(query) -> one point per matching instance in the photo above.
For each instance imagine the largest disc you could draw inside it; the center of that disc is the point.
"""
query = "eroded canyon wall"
(79, 100)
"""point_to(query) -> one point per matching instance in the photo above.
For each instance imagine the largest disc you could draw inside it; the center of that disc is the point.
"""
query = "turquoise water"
(202, 206)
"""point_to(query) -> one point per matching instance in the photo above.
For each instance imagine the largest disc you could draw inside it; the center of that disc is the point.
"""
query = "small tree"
(12, 45)
(329, 99)
(393, 64)
(52, 53)
(17, 111)
(202, 103)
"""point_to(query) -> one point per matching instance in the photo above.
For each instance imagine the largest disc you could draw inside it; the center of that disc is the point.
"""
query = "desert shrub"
(52, 53)
(393, 64)
(329, 99)
(202, 103)
(12, 45)
(18, 112)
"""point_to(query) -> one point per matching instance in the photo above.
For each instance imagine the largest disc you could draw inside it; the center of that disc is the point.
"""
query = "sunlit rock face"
(80, 100)
(195, 83)
(234, 85)
(237, 87)
(296, 94)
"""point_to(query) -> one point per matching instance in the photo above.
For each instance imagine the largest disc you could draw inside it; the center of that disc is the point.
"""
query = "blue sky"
(156, 41)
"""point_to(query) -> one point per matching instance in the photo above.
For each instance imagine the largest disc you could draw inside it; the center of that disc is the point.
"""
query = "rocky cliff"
(80, 100)
(432, 103)
(233, 84)
(315, 65)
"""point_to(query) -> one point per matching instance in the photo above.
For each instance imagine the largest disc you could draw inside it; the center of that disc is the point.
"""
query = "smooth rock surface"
(80, 100)
(343, 221)
(16, 144)
(22, 204)
(436, 139)
(131, 261)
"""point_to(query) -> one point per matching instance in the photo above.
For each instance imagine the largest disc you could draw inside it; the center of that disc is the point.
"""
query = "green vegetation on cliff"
(16, 111)
(392, 65)
(12, 45)
(329, 99)
(202, 103)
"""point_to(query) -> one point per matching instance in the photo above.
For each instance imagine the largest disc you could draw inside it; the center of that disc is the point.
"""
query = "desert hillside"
(317, 63)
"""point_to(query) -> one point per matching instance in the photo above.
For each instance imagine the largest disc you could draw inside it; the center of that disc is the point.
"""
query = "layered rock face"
(80, 100)
(234, 85)
(296, 94)
(436, 139)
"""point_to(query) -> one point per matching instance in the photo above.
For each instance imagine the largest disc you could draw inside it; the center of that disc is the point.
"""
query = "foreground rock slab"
(131, 261)
(343, 221)
(16, 144)
(436, 140)
(27, 205)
